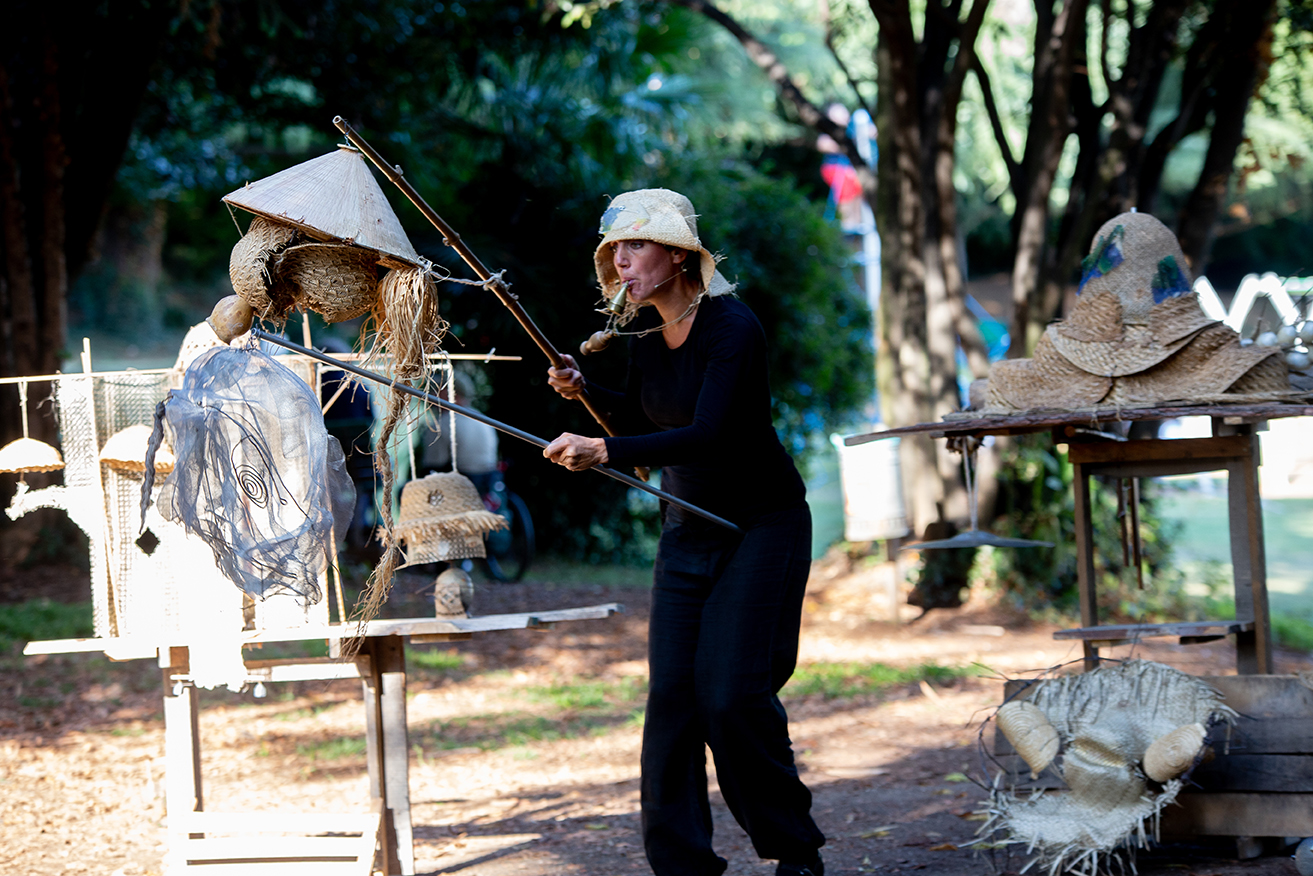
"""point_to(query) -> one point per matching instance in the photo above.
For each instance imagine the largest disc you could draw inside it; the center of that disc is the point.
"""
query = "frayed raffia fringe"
(470, 524)
(406, 327)
(1086, 831)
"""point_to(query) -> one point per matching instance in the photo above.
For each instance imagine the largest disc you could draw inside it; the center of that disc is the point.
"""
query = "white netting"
(257, 475)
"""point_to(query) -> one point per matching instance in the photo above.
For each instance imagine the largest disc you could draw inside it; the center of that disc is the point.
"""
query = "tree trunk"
(1249, 36)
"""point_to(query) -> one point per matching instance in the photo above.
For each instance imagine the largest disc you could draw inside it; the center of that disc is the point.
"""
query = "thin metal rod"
(493, 282)
(260, 334)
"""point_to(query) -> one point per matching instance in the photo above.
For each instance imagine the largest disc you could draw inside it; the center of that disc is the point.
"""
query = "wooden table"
(381, 668)
(1261, 783)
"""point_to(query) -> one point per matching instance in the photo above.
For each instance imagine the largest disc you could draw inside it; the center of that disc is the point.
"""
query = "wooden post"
(1089, 600)
(387, 748)
(182, 740)
(1249, 563)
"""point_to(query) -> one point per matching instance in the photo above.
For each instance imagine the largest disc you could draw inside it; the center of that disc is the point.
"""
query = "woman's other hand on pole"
(576, 452)
(567, 381)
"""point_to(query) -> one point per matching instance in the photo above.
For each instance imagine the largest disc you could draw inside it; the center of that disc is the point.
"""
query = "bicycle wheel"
(510, 551)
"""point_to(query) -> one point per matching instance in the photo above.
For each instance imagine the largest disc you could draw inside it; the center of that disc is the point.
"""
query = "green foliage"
(590, 695)
(440, 660)
(1036, 502)
(843, 680)
(40, 619)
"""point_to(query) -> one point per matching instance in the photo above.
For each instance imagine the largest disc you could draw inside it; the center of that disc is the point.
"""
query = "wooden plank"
(1085, 579)
(371, 687)
(1159, 450)
(1037, 421)
(283, 868)
(396, 747)
(123, 648)
(1239, 814)
(276, 822)
(433, 638)
(1131, 632)
(267, 848)
(322, 669)
(182, 748)
(1272, 773)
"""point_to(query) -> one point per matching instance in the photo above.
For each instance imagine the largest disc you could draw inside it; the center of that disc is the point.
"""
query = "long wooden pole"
(492, 281)
(261, 335)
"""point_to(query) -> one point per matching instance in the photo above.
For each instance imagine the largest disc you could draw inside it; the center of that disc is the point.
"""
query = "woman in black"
(723, 637)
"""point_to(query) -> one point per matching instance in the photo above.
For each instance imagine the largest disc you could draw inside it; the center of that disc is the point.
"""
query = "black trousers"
(723, 640)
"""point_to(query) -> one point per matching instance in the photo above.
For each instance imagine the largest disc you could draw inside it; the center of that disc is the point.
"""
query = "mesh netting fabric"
(257, 476)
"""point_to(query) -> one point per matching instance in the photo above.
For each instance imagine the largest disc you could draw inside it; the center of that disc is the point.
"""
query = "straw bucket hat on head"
(661, 216)
(443, 518)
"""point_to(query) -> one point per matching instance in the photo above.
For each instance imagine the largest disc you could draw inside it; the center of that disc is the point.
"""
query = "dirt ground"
(525, 745)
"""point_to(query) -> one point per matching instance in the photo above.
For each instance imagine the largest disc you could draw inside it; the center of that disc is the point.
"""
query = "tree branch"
(834, 52)
(808, 113)
(996, 123)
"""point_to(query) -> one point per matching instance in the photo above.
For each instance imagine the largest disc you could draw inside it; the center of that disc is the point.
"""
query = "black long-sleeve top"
(711, 400)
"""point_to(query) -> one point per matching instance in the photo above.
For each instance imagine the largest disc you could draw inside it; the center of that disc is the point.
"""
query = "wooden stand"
(293, 844)
(1260, 784)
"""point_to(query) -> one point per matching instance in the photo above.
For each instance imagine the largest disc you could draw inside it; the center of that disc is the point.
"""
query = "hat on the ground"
(661, 216)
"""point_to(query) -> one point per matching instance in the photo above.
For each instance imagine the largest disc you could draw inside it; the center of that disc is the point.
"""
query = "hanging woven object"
(27, 455)
(335, 280)
(251, 272)
(126, 451)
(443, 518)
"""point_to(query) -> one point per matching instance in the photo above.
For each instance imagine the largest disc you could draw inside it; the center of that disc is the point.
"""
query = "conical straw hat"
(332, 197)
(29, 455)
(126, 451)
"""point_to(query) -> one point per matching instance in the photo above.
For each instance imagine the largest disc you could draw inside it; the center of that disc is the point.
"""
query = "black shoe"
(815, 868)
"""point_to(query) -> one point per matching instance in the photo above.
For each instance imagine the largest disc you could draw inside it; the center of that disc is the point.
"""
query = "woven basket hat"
(250, 268)
(334, 280)
(443, 518)
(661, 216)
(24, 455)
(1048, 380)
(126, 451)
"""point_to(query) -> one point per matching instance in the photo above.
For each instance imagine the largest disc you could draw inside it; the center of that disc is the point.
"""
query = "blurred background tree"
(1007, 133)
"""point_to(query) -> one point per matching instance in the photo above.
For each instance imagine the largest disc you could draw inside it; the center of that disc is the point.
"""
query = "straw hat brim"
(1209, 366)
(332, 197)
(126, 451)
(1046, 381)
(28, 455)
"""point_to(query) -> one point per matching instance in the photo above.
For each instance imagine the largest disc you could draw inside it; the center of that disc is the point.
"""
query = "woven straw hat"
(1047, 380)
(1138, 259)
(332, 197)
(661, 216)
(25, 455)
(336, 281)
(250, 270)
(126, 451)
(1209, 366)
(443, 518)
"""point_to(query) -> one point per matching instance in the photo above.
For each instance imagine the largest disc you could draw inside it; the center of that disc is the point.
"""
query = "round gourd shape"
(231, 318)
(1174, 752)
(1028, 729)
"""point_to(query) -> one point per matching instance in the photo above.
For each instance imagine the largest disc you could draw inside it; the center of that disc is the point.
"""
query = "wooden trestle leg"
(387, 746)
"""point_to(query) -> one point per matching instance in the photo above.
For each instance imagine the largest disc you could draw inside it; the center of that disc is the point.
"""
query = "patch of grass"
(440, 660)
(841, 680)
(516, 729)
(39, 703)
(1292, 632)
(337, 748)
(586, 695)
(39, 619)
